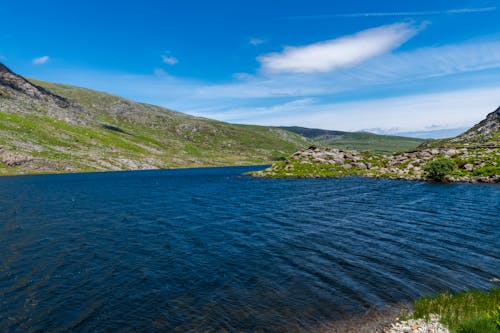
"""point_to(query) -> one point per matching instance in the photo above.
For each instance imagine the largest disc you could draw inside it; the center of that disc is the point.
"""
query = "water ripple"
(207, 249)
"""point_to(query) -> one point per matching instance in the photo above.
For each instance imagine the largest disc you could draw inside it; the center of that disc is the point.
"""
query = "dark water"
(209, 249)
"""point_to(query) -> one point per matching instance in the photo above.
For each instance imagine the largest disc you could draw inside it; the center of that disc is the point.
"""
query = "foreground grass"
(465, 312)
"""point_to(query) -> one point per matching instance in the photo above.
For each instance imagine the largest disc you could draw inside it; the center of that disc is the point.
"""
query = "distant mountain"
(362, 141)
(433, 134)
(47, 127)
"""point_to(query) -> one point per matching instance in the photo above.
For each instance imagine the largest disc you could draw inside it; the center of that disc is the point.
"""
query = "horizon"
(420, 69)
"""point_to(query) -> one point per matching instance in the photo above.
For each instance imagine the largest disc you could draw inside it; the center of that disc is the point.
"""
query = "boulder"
(360, 166)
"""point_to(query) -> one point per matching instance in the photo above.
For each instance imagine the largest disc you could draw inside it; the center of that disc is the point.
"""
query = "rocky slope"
(47, 127)
(472, 157)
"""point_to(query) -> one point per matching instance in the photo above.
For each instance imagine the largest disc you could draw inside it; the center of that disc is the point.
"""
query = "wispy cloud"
(444, 110)
(169, 60)
(312, 100)
(388, 14)
(160, 72)
(338, 53)
(41, 60)
(256, 41)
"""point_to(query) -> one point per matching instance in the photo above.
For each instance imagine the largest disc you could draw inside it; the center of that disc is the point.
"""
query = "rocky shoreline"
(478, 164)
(418, 326)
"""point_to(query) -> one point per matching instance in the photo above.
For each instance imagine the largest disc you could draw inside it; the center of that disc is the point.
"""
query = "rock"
(434, 151)
(418, 325)
(13, 159)
(12, 80)
(347, 166)
(360, 166)
(452, 152)
(469, 167)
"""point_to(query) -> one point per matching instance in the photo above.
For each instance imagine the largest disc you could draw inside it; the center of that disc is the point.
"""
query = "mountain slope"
(473, 156)
(362, 141)
(485, 133)
(47, 127)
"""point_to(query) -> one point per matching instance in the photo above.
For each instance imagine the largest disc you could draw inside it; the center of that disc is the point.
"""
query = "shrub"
(439, 168)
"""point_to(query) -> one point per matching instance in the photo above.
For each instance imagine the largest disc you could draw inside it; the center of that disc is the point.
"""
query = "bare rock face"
(10, 80)
(484, 131)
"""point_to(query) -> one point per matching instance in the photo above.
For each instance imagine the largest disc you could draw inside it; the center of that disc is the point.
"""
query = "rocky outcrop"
(10, 80)
(469, 164)
(473, 156)
(483, 132)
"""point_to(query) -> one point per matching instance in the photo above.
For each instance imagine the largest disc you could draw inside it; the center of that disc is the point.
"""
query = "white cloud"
(41, 60)
(256, 41)
(307, 100)
(169, 60)
(338, 53)
(385, 14)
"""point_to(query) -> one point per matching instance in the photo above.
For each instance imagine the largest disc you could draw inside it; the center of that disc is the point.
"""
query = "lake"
(212, 249)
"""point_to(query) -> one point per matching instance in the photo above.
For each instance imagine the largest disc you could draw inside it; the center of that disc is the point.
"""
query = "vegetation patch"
(439, 168)
(465, 312)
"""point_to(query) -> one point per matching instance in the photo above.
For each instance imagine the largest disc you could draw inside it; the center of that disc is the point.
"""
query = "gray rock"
(469, 167)
(360, 166)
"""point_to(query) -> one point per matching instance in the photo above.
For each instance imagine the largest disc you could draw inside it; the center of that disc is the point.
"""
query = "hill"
(362, 141)
(473, 156)
(485, 133)
(48, 127)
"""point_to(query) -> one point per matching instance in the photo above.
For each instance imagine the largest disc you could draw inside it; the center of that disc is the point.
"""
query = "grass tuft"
(465, 312)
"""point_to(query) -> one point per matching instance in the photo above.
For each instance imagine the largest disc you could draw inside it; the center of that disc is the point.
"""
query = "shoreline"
(445, 165)
(55, 173)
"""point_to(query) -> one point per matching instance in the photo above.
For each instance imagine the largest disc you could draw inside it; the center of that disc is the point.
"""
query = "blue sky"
(384, 66)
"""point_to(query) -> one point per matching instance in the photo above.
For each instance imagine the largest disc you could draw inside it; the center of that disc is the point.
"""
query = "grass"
(464, 312)
(106, 132)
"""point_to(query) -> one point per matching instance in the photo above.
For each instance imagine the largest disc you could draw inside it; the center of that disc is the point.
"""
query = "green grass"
(464, 312)
(106, 132)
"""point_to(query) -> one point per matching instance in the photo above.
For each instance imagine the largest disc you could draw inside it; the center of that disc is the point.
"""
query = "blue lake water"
(211, 249)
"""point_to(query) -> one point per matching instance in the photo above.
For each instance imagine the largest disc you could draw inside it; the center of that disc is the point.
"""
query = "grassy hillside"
(99, 131)
(362, 141)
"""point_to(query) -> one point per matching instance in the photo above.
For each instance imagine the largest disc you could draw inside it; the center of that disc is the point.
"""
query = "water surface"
(210, 249)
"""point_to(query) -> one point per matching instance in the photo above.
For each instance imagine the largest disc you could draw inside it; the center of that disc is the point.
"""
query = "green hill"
(47, 127)
(362, 141)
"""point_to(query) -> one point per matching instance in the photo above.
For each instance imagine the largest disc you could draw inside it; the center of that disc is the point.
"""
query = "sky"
(424, 68)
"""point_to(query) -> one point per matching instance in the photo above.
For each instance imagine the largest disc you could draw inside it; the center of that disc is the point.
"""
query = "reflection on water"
(209, 249)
